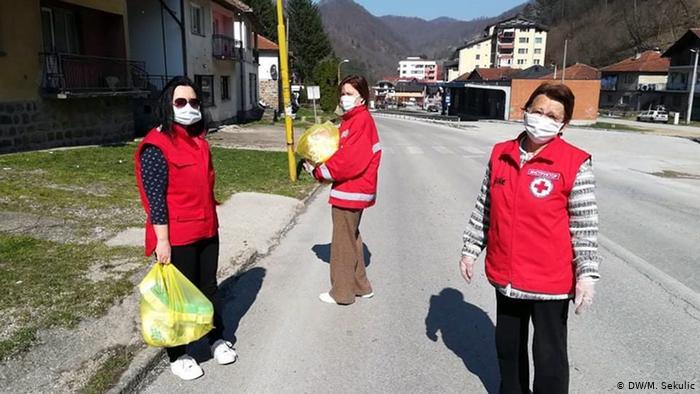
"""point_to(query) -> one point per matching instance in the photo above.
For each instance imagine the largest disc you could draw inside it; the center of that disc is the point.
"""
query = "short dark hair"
(359, 83)
(164, 111)
(557, 92)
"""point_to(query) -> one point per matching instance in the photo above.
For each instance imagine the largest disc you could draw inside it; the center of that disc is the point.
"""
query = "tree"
(325, 75)
(307, 38)
(266, 13)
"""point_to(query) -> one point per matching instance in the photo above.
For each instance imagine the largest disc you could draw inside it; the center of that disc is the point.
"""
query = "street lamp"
(694, 77)
(340, 64)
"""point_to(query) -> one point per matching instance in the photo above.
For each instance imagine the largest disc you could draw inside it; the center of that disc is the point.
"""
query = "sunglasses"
(181, 102)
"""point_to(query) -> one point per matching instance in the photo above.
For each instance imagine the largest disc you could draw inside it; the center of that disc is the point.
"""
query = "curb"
(454, 124)
(146, 360)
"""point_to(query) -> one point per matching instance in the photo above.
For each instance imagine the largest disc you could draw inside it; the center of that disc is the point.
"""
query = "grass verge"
(614, 126)
(118, 360)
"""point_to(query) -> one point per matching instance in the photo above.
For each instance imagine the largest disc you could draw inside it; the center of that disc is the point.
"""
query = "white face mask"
(187, 115)
(540, 128)
(348, 102)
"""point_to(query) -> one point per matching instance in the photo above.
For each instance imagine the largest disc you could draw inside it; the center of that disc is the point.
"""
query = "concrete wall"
(268, 60)
(42, 124)
(587, 93)
(467, 57)
(528, 59)
(21, 42)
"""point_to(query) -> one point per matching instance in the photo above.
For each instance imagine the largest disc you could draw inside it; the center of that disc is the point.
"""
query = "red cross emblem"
(541, 187)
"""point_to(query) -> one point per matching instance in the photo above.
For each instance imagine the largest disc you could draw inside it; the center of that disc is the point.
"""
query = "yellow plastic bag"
(173, 311)
(318, 143)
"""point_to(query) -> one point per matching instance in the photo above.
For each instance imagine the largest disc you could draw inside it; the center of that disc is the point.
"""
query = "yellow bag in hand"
(318, 143)
(173, 311)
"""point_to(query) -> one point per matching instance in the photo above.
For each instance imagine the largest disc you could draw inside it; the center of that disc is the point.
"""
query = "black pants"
(199, 262)
(549, 351)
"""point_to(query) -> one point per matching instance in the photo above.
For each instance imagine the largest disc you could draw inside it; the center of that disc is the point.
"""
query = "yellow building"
(514, 42)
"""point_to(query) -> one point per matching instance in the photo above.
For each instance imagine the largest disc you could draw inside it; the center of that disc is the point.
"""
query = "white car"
(653, 116)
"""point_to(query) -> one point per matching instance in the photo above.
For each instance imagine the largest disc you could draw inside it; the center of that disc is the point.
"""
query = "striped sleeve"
(583, 223)
(475, 234)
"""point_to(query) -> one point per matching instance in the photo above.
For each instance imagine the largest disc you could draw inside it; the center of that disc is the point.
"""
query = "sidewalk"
(250, 225)
(656, 128)
(257, 137)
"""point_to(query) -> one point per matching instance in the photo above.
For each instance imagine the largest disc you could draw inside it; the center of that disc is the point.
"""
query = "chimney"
(637, 56)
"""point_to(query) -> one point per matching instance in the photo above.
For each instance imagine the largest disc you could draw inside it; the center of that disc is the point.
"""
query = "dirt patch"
(675, 175)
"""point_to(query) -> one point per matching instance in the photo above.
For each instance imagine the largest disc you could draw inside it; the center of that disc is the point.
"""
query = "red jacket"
(353, 168)
(190, 194)
(529, 243)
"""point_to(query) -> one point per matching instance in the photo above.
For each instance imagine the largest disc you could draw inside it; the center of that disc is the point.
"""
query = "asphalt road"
(426, 331)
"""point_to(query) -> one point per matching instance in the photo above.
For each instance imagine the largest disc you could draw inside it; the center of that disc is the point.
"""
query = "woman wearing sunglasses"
(537, 217)
(175, 177)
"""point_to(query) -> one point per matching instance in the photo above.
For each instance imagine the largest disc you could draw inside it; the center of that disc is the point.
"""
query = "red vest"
(529, 243)
(190, 194)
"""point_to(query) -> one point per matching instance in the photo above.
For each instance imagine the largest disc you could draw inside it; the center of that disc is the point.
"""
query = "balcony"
(67, 75)
(225, 48)
(651, 87)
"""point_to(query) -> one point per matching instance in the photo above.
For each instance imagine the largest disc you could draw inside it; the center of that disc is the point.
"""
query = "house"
(384, 93)
(211, 41)
(451, 70)
(514, 42)
(410, 92)
(269, 73)
(635, 82)
(682, 56)
(501, 93)
(419, 68)
(67, 75)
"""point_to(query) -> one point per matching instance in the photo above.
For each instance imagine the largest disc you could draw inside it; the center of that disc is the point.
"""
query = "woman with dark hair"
(537, 217)
(176, 178)
(353, 171)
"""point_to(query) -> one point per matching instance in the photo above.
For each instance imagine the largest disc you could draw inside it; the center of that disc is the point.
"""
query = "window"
(225, 91)
(206, 85)
(524, 40)
(197, 17)
(60, 30)
(536, 61)
(538, 40)
(253, 88)
(522, 51)
(521, 61)
(478, 57)
(538, 51)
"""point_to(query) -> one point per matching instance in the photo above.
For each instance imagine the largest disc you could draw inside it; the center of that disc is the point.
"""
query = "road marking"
(414, 150)
(473, 150)
(473, 156)
(443, 150)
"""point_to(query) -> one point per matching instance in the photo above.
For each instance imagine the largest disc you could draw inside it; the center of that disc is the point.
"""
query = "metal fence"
(225, 47)
(64, 72)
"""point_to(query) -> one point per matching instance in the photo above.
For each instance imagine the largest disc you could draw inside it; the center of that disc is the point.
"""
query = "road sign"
(313, 92)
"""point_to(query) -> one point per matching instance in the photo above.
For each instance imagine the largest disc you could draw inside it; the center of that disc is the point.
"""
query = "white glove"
(466, 267)
(308, 167)
(585, 291)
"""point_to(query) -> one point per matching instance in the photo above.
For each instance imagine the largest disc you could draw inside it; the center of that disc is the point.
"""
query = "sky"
(431, 9)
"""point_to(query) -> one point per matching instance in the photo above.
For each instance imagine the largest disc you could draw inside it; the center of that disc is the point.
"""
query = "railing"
(68, 73)
(651, 87)
(225, 47)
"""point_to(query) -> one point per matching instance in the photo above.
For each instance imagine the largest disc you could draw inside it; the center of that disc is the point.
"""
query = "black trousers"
(549, 349)
(199, 262)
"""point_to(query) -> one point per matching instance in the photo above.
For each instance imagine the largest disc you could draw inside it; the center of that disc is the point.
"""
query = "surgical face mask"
(186, 115)
(348, 102)
(540, 128)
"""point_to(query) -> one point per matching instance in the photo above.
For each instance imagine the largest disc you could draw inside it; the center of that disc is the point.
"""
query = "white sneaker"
(223, 352)
(370, 295)
(326, 297)
(186, 368)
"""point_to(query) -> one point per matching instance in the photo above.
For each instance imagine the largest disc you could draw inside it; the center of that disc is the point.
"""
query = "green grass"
(45, 285)
(109, 372)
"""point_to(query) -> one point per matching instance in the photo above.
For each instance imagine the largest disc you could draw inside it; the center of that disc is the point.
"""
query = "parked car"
(653, 115)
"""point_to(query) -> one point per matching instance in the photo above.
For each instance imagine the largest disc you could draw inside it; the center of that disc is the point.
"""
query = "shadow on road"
(323, 252)
(237, 295)
(467, 331)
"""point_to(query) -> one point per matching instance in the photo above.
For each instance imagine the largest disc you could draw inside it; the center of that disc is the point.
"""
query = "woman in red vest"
(353, 171)
(176, 177)
(537, 217)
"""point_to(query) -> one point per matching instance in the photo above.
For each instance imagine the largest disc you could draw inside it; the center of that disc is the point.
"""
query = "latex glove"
(585, 291)
(466, 267)
(308, 167)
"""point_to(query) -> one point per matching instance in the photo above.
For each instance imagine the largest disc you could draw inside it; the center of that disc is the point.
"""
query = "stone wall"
(269, 93)
(50, 123)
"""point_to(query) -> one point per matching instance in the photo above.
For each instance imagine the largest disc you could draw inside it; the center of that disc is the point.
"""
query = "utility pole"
(286, 94)
(563, 67)
(693, 78)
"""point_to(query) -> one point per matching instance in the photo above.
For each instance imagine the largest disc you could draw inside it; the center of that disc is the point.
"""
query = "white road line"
(414, 150)
(473, 150)
(443, 150)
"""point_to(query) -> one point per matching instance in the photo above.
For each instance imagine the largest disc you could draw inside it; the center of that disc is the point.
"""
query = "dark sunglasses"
(181, 102)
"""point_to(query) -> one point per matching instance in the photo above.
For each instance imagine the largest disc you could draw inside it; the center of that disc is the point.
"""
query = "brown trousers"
(348, 275)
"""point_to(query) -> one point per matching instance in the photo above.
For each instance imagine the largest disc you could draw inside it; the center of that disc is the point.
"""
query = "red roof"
(489, 74)
(649, 61)
(266, 45)
(577, 71)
